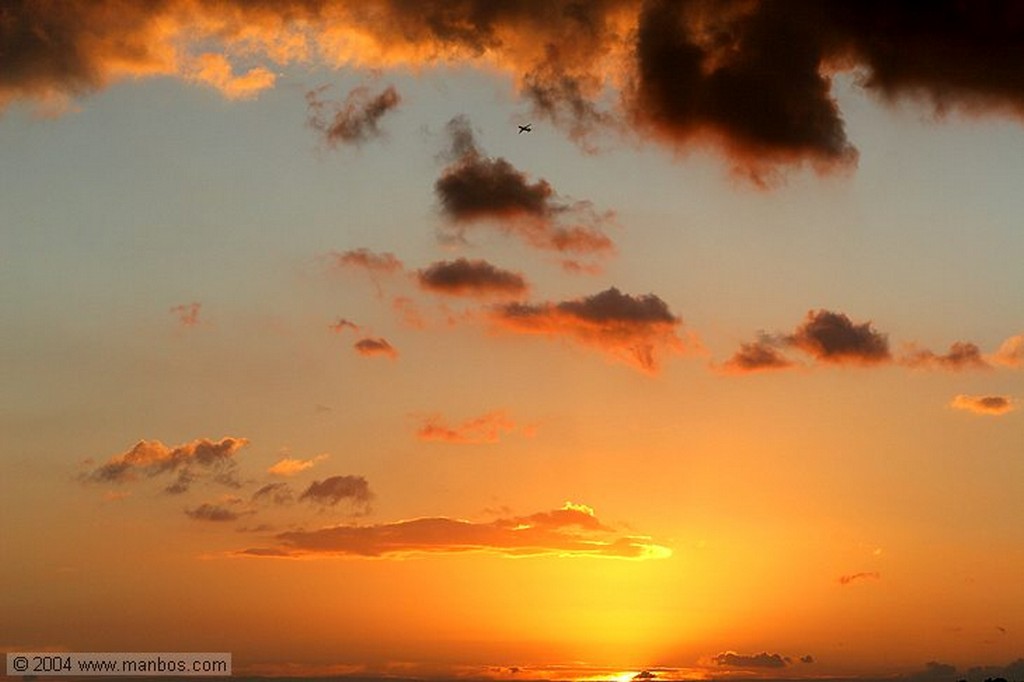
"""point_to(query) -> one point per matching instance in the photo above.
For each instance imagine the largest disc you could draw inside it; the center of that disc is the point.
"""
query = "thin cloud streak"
(486, 428)
(572, 530)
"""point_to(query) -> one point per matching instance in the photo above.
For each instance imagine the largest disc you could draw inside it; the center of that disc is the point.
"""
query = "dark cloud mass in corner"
(832, 337)
(747, 74)
(463, 277)
(353, 121)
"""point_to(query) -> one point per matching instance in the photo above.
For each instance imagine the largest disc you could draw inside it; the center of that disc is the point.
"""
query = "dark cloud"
(336, 489)
(572, 530)
(994, 405)
(475, 187)
(757, 356)
(192, 461)
(353, 121)
(961, 355)
(370, 347)
(463, 277)
(864, 575)
(834, 338)
(634, 329)
(746, 75)
(807, 659)
(762, 660)
(212, 512)
(486, 428)
(754, 77)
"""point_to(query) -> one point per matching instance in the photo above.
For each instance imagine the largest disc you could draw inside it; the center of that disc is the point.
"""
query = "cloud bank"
(754, 78)
(572, 530)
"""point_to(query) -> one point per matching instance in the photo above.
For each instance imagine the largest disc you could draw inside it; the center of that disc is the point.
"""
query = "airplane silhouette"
(525, 129)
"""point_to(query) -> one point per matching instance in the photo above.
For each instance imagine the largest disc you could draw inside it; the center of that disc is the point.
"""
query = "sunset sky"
(308, 355)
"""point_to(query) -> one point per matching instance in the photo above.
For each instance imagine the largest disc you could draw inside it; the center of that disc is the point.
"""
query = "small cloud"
(333, 490)
(632, 329)
(995, 405)
(758, 356)
(190, 461)
(470, 278)
(342, 324)
(572, 530)
(865, 575)
(807, 659)
(290, 467)
(365, 259)
(961, 355)
(645, 675)
(486, 428)
(212, 512)
(187, 314)
(274, 493)
(833, 338)
(370, 347)
(935, 671)
(215, 70)
(353, 121)
(1011, 352)
(732, 659)
(476, 188)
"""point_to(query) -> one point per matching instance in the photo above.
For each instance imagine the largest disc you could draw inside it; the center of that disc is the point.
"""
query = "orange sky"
(312, 356)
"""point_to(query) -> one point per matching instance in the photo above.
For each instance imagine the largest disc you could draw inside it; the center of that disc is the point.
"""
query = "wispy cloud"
(290, 467)
(961, 355)
(336, 489)
(863, 575)
(757, 356)
(573, 530)
(187, 314)
(633, 329)
(189, 462)
(213, 512)
(354, 120)
(994, 405)
(486, 428)
(1011, 352)
(366, 259)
